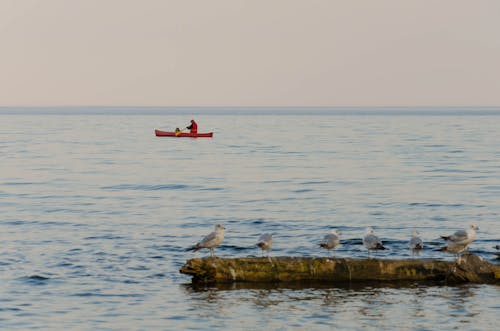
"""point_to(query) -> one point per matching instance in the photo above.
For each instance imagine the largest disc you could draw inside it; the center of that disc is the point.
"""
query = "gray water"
(96, 213)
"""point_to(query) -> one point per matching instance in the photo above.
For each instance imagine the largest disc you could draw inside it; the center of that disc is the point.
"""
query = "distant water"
(95, 214)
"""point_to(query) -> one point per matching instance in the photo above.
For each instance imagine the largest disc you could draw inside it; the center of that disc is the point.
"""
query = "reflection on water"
(459, 302)
(382, 306)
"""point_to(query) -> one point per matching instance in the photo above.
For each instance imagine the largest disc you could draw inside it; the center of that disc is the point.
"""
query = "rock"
(469, 269)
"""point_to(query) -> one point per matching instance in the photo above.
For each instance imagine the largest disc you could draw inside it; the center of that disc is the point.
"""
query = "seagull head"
(369, 229)
(473, 227)
(414, 234)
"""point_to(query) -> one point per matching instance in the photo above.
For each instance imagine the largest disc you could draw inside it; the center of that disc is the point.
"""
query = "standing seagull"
(458, 242)
(415, 243)
(265, 242)
(371, 241)
(330, 241)
(211, 240)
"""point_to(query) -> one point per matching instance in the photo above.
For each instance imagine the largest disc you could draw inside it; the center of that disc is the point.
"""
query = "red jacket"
(193, 127)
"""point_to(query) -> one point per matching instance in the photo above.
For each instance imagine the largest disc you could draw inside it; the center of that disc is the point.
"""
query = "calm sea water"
(95, 214)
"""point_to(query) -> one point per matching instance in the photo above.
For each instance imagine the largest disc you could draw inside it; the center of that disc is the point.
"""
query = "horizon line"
(246, 107)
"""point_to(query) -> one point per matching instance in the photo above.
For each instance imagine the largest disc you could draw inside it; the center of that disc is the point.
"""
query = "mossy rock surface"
(470, 269)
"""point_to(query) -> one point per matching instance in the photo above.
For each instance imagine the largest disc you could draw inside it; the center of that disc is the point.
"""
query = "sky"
(249, 53)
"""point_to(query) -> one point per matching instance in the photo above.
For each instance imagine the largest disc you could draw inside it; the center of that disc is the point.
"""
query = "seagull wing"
(458, 236)
(209, 240)
(265, 241)
(370, 241)
(415, 243)
(329, 241)
(266, 237)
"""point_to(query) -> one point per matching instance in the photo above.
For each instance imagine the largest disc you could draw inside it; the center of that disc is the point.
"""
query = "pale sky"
(250, 52)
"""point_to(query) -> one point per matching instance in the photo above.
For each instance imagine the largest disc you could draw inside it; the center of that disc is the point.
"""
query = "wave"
(145, 187)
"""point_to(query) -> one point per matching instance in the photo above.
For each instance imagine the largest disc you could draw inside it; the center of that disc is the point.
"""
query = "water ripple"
(94, 223)
(35, 280)
(142, 187)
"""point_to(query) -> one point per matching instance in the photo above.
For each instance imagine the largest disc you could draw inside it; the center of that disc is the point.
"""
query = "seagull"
(462, 237)
(265, 242)
(415, 243)
(371, 241)
(211, 240)
(458, 242)
(331, 240)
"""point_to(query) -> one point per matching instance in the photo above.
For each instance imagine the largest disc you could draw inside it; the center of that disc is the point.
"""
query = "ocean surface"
(96, 213)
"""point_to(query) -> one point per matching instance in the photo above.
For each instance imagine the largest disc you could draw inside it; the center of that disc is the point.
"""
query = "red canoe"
(160, 133)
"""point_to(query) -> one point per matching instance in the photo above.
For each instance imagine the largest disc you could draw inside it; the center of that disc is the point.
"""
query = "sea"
(96, 214)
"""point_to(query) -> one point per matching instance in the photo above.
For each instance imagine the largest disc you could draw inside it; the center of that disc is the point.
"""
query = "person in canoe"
(193, 127)
(177, 132)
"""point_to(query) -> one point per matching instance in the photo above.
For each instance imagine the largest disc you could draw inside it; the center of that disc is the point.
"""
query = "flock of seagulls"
(455, 243)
